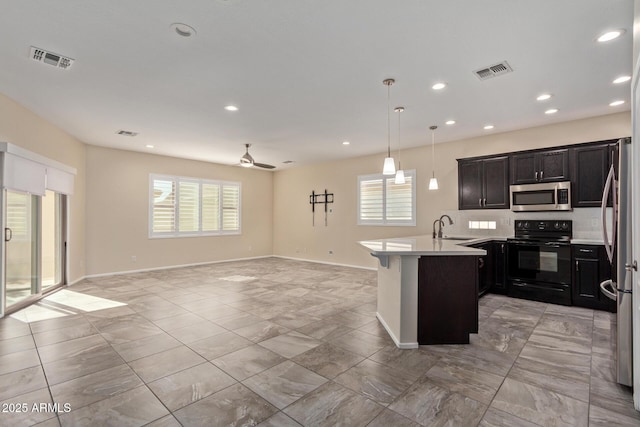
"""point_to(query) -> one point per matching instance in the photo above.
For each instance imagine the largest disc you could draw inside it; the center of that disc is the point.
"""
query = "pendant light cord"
(433, 150)
(399, 110)
(389, 120)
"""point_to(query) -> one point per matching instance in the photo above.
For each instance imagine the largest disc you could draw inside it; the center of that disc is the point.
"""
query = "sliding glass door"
(20, 236)
(34, 248)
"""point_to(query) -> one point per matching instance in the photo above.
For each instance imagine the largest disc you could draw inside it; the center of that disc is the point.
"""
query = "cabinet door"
(523, 168)
(586, 287)
(496, 183)
(590, 169)
(553, 165)
(500, 257)
(470, 184)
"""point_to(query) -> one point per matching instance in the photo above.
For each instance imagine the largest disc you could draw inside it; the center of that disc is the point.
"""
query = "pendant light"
(399, 172)
(389, 167)
(433, 182)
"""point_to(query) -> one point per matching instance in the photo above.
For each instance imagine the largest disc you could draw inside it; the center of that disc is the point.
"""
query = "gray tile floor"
(275, 342)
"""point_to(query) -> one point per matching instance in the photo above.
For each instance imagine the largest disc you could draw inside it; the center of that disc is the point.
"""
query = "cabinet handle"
(536, 175)
(480, 263)
(541, 173)
(484, 203)
(577, 266)
(480, 202)
(502, 247)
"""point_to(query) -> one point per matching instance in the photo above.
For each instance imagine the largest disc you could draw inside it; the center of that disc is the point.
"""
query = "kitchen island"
(427, 289)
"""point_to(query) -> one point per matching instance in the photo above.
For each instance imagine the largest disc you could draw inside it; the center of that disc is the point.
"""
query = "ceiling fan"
(247, 161)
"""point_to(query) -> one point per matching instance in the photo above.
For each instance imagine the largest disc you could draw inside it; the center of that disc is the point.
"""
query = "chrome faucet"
(441, 225)
(434, 228)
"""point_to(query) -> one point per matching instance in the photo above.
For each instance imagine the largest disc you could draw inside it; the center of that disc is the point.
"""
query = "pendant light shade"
(399, 173)
(389, 167)
(433, 182)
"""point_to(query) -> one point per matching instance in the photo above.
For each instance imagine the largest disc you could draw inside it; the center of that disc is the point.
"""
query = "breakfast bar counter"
(427, 289)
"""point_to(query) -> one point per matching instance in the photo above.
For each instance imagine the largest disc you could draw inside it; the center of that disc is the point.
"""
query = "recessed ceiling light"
(622, 79)
(450, 122)
(183, 30)
(345, 143)
(610, 35)
(439, 86)
(488, 127)
(543, 97)
(551, 111)
(149, 146)
(231, 108)
(616, 103)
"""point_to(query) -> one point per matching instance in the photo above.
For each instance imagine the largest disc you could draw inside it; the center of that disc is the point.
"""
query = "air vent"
(126, 133)
(493, 70)
(51, 58)
(286, 162)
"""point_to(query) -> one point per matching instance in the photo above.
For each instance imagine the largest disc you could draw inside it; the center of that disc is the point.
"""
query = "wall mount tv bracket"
(319, 198)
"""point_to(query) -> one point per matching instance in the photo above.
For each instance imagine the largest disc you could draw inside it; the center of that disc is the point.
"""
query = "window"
(382, 202)
(192, 207)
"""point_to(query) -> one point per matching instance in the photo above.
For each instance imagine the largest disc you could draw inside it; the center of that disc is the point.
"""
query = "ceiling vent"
(126, 133)
(286, 162)
(50, 58)
(493, 70)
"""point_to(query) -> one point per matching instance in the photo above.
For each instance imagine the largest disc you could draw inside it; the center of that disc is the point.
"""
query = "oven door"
(548, 262)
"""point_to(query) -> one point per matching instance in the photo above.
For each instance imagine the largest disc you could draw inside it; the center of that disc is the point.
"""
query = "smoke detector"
(494, 70)
(50, 58)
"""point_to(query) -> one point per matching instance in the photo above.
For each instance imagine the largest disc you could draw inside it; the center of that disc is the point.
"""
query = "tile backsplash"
(586, 222)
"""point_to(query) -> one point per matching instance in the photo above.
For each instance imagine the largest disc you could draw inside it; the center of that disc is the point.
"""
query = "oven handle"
(540, 244)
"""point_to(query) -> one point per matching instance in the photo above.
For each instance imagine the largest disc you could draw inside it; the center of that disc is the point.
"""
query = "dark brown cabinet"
(486, 267)
(590, 166)
(499, 285)
(447, 299)
(483, 183)
(590, 268)
(540, 166)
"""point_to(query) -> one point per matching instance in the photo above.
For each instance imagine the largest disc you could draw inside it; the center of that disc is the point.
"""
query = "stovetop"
(548, 230)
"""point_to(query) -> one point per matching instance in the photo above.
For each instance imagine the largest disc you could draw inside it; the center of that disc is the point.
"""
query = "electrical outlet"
(330, 252)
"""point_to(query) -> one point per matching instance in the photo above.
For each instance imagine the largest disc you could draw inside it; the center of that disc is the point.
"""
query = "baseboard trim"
(170, 267)
(400, 345)
(326, 262)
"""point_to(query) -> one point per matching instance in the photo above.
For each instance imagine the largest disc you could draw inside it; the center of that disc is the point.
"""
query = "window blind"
(383, 202)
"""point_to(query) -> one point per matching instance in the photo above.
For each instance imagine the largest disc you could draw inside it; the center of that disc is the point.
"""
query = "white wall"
(118, 212)
(24, 128)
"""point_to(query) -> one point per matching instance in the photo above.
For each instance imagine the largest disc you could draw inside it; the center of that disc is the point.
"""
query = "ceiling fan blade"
(263, 165)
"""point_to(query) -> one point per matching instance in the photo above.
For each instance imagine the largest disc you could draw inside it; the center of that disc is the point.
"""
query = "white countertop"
(422, 246)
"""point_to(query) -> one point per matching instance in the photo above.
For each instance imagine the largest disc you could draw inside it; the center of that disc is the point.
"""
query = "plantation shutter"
(371, 201)
(188, 206)
(399, 200)
(230, 207)
(164, 209)
(210, 207)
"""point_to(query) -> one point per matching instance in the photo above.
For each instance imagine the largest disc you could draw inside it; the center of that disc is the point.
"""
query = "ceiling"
(307, 75)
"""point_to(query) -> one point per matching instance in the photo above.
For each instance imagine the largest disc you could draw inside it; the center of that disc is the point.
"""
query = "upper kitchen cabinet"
(589, 168)
(483, 183)
(540, 166)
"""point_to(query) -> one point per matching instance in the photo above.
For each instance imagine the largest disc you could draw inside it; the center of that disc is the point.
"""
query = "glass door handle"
(8, 234)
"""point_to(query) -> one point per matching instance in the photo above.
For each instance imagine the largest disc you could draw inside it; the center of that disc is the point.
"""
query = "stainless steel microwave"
(547, 196)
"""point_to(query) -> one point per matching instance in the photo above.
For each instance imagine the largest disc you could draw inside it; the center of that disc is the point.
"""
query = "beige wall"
(294, 236)
(24, 128)
(118, 212)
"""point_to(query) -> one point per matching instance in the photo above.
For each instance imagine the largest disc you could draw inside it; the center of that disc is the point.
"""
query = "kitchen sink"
(455, 238)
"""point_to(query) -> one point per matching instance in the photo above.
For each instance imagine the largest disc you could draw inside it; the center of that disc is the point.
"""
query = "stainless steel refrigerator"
(618, 246)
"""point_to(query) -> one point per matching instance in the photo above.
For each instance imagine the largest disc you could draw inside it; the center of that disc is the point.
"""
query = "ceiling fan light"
(399, 177)
(433, 184)
(389, 167)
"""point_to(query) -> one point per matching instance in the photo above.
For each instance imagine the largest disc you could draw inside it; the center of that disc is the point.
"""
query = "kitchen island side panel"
(398, 300)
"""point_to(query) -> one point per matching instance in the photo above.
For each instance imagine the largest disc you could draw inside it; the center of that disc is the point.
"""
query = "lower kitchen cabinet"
(499, 285)
(447, 299)
(590, 268)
